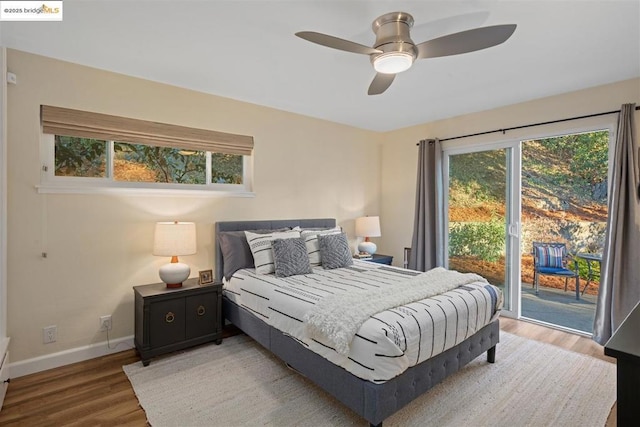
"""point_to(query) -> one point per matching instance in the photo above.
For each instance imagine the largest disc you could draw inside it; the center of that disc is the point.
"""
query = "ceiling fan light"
(393, 62)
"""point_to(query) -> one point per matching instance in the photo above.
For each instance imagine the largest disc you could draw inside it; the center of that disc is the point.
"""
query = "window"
(156, 156)
(87, 158)
(501, 197)
(80, 157)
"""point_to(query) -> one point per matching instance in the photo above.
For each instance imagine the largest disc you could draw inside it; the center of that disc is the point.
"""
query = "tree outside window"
(85, 157)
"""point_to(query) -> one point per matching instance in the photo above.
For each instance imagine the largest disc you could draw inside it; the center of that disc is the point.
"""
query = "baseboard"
(67, 357)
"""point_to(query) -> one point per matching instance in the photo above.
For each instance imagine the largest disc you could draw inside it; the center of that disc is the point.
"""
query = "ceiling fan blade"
(380, 83)
(465, 41)
(336, 43)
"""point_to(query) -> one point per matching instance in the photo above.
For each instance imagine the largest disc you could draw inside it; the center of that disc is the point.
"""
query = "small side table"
(591, 274)
(381, 259)
(170, 319)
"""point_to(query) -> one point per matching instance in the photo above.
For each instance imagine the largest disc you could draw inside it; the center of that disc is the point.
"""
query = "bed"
(374, 399)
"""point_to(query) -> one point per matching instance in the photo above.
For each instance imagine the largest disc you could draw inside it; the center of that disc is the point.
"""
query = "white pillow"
(311, 242)
(260, 245)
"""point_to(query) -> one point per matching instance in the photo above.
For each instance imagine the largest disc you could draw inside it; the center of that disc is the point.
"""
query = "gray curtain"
(427, 241)
(620, 275)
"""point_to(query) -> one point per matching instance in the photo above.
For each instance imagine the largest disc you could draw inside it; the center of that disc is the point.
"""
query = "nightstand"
(381, 259)
(170, 319)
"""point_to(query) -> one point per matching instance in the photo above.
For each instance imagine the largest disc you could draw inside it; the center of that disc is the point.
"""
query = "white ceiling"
(247, 50)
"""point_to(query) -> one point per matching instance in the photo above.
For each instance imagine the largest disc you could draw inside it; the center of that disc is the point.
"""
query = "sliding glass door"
(564, 201)
(501, 198)
(482, 236)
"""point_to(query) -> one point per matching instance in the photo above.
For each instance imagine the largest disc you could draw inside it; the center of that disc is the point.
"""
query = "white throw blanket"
(336, 319)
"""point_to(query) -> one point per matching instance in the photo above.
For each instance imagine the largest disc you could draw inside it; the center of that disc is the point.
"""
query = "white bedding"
(388, 342)
(336, 318)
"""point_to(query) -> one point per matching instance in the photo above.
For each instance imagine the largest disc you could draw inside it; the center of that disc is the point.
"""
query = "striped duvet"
(388, 342)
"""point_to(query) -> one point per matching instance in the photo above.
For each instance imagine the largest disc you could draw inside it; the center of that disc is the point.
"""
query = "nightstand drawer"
(167, 322)
(201, 315)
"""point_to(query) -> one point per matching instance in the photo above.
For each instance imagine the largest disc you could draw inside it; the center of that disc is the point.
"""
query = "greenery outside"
(84, 157)
(81, 157)
(564, 199)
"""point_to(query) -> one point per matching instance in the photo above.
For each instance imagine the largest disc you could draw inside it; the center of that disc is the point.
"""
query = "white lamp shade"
(174, 239)
(368, 226)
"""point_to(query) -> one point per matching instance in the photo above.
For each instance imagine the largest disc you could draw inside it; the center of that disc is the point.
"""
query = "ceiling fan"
(395, 52)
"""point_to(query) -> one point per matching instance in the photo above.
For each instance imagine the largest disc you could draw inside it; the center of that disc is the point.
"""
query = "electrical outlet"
(105, 323)
(49, 334)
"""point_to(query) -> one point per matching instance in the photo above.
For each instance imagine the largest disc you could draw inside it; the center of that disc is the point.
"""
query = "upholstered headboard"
(261, 225)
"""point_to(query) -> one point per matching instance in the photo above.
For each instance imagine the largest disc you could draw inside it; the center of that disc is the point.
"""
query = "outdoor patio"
(561, 308)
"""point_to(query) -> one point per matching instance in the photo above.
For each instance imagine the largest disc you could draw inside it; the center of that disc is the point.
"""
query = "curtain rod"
(530, 125)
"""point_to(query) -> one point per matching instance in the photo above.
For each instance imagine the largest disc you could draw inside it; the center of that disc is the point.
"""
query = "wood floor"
(98, 393)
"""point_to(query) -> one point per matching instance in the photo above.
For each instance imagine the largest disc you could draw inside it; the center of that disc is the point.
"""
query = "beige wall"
(99, 246)
(399, 151)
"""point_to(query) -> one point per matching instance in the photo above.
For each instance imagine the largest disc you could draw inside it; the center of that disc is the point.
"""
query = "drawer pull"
(201, 310)
(169, 317)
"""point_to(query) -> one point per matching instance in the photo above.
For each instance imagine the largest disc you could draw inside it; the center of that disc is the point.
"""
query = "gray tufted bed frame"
(373, 402)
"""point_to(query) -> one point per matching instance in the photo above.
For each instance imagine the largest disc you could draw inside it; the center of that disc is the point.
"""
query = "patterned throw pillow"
(290, 257)
(313, 247)
(334, 251)
(236, 253)
(549, 256)
(260, 245)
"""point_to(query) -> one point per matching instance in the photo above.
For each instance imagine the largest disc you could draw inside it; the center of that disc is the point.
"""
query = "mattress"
(388, 342)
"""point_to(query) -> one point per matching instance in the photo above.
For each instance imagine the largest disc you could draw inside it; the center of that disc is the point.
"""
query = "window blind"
(84, 124)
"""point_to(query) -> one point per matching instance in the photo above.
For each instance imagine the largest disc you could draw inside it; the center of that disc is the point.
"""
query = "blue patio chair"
(552, 259)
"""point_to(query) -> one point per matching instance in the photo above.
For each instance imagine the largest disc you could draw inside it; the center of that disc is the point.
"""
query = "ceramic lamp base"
(173, 274)
(368, 247)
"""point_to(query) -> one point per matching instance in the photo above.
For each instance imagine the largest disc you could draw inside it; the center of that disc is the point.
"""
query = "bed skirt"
(373, 402)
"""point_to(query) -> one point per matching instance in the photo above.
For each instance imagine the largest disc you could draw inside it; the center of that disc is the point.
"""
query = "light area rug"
(238, 383)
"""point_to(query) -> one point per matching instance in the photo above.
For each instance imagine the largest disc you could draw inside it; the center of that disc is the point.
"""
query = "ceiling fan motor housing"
(392, 35)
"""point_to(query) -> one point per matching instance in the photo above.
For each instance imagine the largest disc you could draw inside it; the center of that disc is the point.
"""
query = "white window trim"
(51, 184)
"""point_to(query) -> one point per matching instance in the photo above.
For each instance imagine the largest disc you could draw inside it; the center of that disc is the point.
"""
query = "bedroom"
(99, 246)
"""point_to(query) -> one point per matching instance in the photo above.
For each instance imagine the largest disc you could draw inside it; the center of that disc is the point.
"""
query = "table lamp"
(368, 226)
(174, 239)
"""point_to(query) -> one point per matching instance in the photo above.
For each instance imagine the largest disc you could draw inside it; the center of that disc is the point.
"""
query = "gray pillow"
(311, 241)
(334, 251)
(262, 250)
(236, 253)
(290, 257)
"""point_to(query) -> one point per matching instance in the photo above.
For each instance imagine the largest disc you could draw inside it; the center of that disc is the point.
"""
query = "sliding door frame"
(512, 211)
